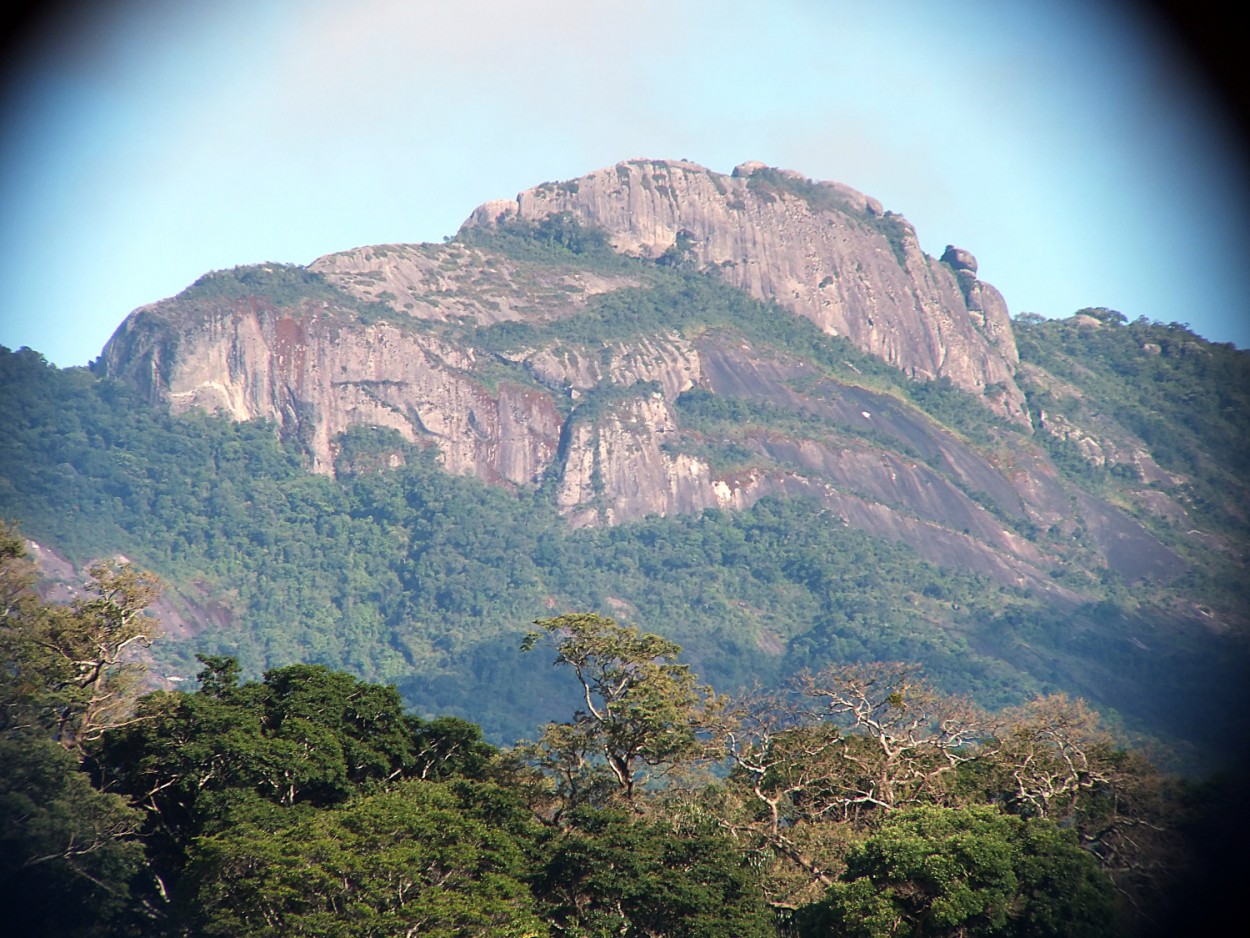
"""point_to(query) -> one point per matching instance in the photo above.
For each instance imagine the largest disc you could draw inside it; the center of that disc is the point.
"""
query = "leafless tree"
(901, 739)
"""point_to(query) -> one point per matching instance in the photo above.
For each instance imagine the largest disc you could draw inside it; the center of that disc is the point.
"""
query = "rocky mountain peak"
(820, 249)
(498, 350)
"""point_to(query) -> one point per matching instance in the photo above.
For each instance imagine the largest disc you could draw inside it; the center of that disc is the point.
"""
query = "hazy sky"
(1067, 145)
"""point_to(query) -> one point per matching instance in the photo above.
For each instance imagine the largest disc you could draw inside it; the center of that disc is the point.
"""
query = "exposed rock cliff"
(398, 336)
(820, 249)
(316, 376)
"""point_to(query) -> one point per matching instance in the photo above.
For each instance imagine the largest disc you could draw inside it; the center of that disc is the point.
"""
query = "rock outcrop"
(820, 249)
(396, 336)
(315, 377)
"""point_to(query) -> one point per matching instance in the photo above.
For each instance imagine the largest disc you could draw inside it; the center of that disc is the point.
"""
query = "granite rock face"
(819, 249)
(315, 376)
(393, 336)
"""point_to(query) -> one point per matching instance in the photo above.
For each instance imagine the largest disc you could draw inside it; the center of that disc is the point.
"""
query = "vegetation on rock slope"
(856, 800)
(411, 576)
(402, 574)
(294, 794)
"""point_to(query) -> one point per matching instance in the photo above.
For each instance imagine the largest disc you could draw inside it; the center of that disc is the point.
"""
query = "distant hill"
(746, 412)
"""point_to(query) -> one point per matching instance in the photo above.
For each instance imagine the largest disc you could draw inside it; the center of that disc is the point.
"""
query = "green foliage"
(414, 577)
(954, 407)
(1186, 399)
(285, 286)
(281, 284)
(706, 412)
(609, 873)
(968, 872)
(67, 853)
(420, 578)
(786, 573)
(81, 656)
(641, 707)
(305, 736)
(768, 182)
(821, 197)
(425, 858)
(690, 303)
(238, 779)
(67, 671)
(409, 576)
(387, 574)
(569, 232)
(310, 803)
(681, 253)
(557, 239)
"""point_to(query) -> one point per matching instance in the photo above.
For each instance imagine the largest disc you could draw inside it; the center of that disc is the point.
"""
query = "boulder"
(959, 259)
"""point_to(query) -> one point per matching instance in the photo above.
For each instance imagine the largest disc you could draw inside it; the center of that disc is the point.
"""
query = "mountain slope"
(819, 249)
(764, 478)
(504, 358)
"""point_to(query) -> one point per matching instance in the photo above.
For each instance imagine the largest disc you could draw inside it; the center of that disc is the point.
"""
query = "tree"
(610, 872)
(570, 232)
(1050, 753)
(1053, 759)
(236, 754)
(16, 574)
(965, 872)
(70, 669)
(642, 710)
(304, 735)
(67, 849)
(784, 761)
(435, 859)
(903, 738)
(830, 756)
(18, 607)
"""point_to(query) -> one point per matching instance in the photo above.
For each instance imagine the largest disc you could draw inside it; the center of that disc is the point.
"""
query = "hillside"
(746, 412)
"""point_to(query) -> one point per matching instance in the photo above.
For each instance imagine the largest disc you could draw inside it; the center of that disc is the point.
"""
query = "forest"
(853, 800)
(397, 701)
(410, 576)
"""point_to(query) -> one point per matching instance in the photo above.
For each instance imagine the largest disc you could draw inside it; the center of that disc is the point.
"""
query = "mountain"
(647, 361)
(820, 251)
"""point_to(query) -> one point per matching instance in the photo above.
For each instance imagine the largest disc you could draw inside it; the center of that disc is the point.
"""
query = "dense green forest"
(855, 800)
(1187, 400)
(378, 744)
(413, 577)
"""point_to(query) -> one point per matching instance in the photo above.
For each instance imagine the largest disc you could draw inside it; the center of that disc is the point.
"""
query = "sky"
(1071, 146)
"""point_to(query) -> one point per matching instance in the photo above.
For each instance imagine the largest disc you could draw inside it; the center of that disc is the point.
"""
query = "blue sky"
(1068, 145)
